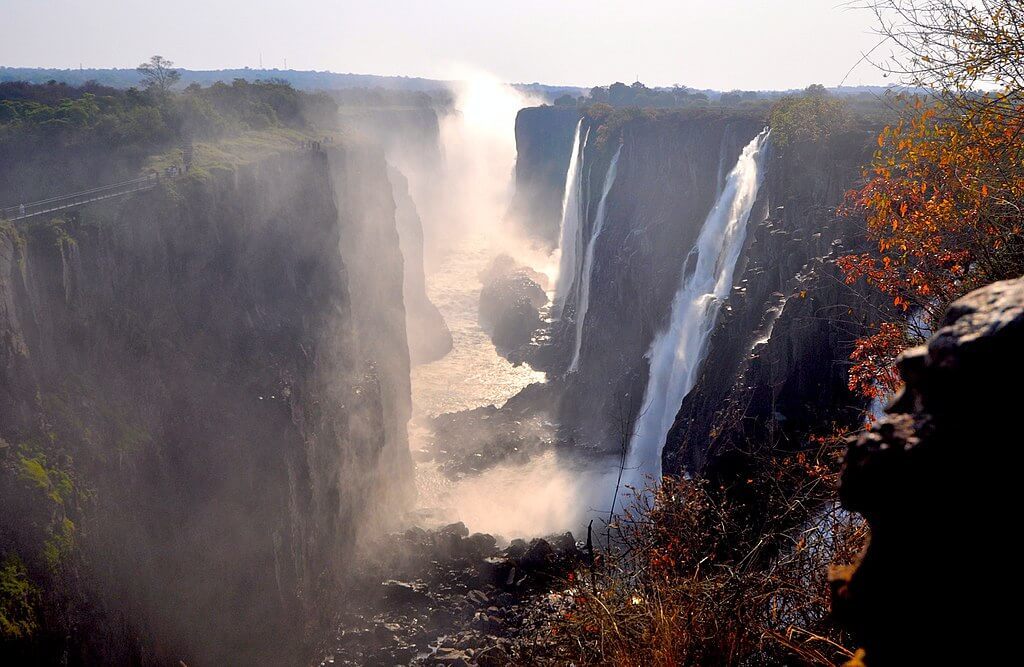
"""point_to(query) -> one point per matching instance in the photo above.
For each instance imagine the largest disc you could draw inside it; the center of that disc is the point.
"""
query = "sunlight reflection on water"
(472, 374)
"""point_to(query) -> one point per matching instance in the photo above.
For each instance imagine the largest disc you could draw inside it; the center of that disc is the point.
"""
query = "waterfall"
(676, 353)
(571, 234)
(583, 302)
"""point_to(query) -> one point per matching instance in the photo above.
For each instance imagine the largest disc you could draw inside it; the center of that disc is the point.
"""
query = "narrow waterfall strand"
(571, 232)
(583, 303)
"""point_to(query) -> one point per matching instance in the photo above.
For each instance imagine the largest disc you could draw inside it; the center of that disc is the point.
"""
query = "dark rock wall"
(227, 403)
(667, 182)
(776, 363)
(923, 591)
(544, 137)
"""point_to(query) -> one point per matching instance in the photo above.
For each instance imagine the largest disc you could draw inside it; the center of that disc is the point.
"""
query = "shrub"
(703, 573)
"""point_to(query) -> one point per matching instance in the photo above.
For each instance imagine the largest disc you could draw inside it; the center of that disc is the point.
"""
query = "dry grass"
(701, 573)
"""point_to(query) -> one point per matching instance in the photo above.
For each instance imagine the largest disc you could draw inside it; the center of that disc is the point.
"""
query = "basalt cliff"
(769, 372)
(204, 393)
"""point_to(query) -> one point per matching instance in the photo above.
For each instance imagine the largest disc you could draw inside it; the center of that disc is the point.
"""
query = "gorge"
(389, 376)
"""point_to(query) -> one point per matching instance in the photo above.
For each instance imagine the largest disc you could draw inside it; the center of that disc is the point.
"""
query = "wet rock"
(517, 548)
(482, 544)
(404, 592)
(510, 303)
(539, 555)
(458, 528)
(564, 546)
(496, 569)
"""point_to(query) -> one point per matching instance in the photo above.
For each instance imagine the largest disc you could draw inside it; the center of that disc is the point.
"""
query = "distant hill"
(302, 80)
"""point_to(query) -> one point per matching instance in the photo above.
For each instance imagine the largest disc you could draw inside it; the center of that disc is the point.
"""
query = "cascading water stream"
(677, 352)
(583, 302)
(571, 233)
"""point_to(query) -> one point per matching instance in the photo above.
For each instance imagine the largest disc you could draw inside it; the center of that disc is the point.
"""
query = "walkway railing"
(22, 211)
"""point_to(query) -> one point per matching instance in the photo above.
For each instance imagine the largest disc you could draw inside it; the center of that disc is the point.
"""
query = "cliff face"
(774, 367)
(544, 138)
(909, 477)
(220, 369)
(667, 180)
(429, 336)
(774, 370)
(410, 139)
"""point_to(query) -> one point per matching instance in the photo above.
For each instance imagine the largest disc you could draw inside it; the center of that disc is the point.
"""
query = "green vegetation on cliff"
(56, 138)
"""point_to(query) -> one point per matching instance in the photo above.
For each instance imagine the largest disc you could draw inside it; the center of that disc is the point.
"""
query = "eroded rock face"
(429, 336)
(229, 382)
(924, 589)
(775, 368)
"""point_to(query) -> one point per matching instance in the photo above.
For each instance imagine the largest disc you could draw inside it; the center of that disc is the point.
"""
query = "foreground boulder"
(932, 479)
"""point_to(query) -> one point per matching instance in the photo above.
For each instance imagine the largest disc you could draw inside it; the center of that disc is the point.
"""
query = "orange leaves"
(942, 202)
(873, 373)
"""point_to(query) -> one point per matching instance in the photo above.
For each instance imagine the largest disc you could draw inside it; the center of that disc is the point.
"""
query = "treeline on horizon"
(619, 96)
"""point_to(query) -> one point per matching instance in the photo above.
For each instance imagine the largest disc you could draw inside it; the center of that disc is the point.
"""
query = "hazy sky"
(724, 44)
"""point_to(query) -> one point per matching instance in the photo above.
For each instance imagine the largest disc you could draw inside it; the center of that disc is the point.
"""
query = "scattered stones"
(447, 597)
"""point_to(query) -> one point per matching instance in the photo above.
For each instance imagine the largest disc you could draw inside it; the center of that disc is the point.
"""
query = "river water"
(472, 375)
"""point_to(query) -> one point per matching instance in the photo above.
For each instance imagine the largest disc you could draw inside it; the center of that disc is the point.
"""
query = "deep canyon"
(358, 400)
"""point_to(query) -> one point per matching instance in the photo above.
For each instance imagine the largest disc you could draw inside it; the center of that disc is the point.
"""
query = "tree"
(956, 47)
(810, 118)
(943, 196)
(159, 74)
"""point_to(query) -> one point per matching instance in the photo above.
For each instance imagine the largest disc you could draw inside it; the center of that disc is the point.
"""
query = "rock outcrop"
(925, 590)
(429, 336)
(203, 396)
(510, 304)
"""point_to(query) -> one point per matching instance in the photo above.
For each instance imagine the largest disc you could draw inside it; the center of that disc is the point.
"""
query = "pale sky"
(722, 44)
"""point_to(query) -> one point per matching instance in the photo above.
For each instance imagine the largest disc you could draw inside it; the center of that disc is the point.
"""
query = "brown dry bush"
(696, 572)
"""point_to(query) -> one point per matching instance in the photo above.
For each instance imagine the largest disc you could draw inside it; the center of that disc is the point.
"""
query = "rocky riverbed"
(448, 597)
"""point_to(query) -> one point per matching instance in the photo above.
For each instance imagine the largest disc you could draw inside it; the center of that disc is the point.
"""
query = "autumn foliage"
(942, 204)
